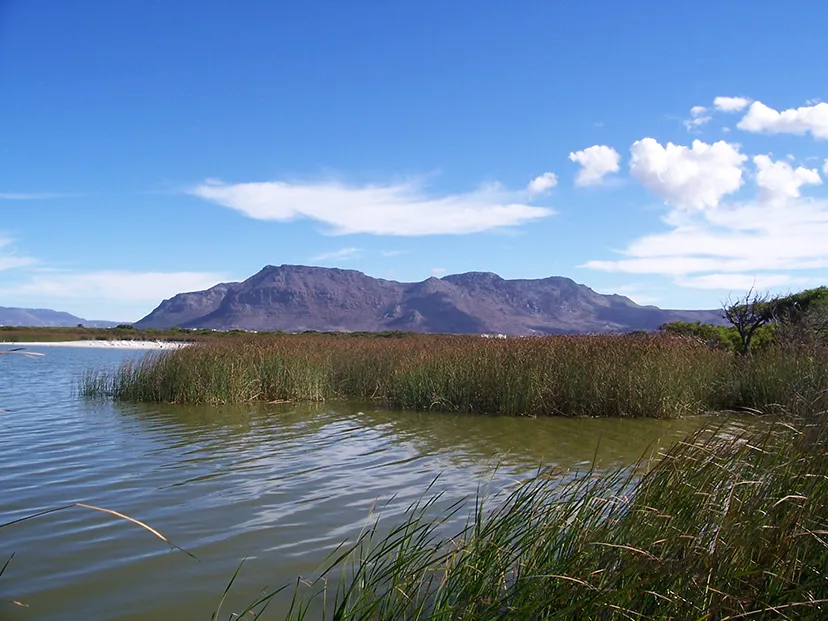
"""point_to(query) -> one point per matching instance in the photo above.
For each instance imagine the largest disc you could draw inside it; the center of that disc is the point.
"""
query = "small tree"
(749, 313)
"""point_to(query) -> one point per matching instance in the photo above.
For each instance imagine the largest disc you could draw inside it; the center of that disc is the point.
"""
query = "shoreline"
(100, 344)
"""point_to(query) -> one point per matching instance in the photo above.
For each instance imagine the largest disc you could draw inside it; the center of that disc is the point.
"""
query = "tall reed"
(626, 376)
(723, 527)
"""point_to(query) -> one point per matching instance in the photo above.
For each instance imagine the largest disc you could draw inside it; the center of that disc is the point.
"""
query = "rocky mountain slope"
(296, 298)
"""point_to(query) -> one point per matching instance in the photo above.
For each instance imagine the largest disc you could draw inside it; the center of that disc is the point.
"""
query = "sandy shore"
(103, 344)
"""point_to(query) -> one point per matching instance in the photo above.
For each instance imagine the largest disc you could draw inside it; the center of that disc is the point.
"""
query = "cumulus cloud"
(713, 243)
(779, 180)
(543, 183)
(342, 254)
(764, 119)
(689, 178)
(596, 162)
(731, 104)
(397, 209)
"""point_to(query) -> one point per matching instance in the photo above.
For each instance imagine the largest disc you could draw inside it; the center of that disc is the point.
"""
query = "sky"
(676, 156)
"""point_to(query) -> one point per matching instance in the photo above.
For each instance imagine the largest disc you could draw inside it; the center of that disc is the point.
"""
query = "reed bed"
(723, 527)
(625, 376)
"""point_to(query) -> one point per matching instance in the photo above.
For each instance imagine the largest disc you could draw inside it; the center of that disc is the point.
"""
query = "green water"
(280, 485)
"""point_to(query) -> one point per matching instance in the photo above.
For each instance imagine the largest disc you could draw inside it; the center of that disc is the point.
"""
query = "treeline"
(758, 321)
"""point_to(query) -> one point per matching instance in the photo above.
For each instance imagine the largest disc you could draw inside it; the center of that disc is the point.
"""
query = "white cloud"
(543, 183)
(121, 286)
(741, 282)
(698, 117)
(734, 244)
(438, 271)
(8, 263)
(596, 162)
(639, 294)
(9, 259)
(764, 119)
(338, 255)
(770, 241)
(779, 180)
(825, 167)
(731, 104)
(393, 253)
(689, 178)
(400, 209)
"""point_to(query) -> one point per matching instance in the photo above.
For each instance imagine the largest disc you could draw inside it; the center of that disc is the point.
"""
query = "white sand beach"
(102, 344)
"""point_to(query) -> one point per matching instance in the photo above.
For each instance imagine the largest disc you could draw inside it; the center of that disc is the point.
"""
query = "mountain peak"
(299, 297)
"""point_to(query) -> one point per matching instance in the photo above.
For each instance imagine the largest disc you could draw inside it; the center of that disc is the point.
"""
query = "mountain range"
(43, 317)
(296, 298)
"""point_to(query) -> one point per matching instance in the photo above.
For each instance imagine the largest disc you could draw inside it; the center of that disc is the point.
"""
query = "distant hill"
(43, 317)
(296, 298)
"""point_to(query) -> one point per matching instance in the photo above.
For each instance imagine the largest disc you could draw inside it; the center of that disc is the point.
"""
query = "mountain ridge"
(296, 298)
(47, 318)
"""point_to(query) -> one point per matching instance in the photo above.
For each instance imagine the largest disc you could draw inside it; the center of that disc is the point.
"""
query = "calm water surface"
(280, 485)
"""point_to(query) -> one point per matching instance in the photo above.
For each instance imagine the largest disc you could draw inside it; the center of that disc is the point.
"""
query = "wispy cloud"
(402, 209)
(393, 253)
(699, 115)
(438, 271)
(342, 254)
(118, 286)
(9, 258)
(637, 293)
(33, 196)
(742, 282)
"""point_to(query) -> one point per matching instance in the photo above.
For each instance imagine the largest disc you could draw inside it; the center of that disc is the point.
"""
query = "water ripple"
(282, 485)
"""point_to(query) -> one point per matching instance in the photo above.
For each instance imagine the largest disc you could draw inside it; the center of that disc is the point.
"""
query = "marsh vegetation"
(639, 375)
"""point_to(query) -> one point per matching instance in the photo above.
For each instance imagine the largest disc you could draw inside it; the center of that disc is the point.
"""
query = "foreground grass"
(631, 375)
(722, 527)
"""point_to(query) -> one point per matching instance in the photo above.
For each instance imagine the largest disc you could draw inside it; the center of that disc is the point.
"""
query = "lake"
(280, 485)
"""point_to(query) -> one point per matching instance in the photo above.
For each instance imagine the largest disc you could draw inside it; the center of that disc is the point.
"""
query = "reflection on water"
(280, 484)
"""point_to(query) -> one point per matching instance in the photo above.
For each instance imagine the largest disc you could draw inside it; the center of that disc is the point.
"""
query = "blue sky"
(154, 147)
